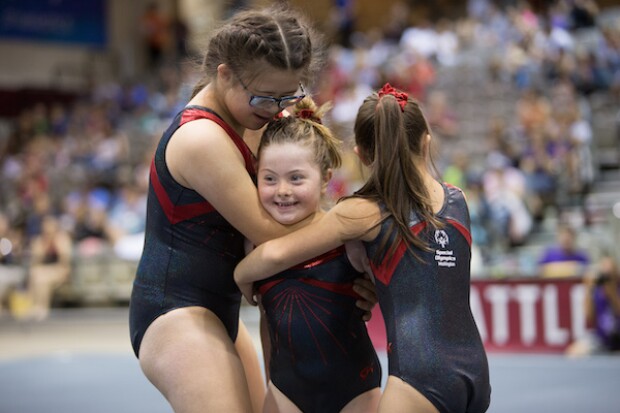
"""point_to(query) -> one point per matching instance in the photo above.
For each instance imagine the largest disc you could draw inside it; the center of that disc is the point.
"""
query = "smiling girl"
(321, 358)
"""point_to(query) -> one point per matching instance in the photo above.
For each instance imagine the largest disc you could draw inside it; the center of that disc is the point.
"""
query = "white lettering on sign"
(498, 296)
(526, 296)
(577, 314)
(554, 334)
(533, 303)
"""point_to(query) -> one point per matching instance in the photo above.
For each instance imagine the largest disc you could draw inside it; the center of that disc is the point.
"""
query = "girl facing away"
(321, 358)
(417, 238)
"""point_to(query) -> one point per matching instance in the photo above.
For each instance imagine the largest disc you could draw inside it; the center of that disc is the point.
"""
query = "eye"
(297, 178)
(268, 179)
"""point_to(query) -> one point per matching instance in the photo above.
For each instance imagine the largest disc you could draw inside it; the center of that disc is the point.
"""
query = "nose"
(284, 189)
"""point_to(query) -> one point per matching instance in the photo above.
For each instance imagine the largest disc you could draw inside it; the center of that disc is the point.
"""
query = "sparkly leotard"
(190, 250)
(321, 354)
(433, 341)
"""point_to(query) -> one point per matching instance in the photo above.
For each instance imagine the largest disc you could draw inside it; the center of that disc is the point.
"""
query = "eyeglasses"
(267, 102)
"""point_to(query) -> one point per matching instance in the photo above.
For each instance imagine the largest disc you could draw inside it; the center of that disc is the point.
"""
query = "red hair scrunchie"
(401, 97)
(308, 114)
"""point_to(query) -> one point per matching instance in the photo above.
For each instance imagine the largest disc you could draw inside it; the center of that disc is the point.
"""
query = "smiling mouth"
(285, 204)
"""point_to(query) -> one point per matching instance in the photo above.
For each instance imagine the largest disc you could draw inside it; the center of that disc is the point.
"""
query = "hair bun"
(308, 114)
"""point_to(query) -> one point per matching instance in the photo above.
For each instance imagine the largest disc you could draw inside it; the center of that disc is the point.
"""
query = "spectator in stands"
(504, 188)
(157, 34)
(602, 309)
(441, 117)
(603, 303)
(541, 170)
(589, 75)
(480, 219)
(50, 265)
(580, 158)
(457, 172)
(502, 141)
(110, 151)
(12, 273)
(41, 206)
(533, 111)
(565, 258)
(583, 14)
(126, 222)
(90, 231)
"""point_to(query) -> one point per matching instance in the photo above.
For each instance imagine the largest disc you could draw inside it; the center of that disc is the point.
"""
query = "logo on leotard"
(444, 257)
(441, 238)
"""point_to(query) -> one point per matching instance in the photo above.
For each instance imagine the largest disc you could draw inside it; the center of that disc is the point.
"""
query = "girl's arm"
(201, 156)
(351, 219)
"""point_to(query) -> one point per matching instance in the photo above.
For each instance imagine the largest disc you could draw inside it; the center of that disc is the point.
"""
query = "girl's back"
(433, 342)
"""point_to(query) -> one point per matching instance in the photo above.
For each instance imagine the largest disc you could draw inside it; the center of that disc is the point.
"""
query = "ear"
(360, 155)
(225, 74)
(426, 144)
(326, 178)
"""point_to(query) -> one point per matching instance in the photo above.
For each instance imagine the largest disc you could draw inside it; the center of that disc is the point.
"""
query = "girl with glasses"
(202, 204)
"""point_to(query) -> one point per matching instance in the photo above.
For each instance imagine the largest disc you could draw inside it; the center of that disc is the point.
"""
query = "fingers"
(248, 292)
(367, 316)
(367, 306)
(366, 290)
(251, 300)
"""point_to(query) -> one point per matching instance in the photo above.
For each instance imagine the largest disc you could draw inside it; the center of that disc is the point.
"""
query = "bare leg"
(247, 351)
(367, 402)
(401, 397)
(189, 357)
(43, 280)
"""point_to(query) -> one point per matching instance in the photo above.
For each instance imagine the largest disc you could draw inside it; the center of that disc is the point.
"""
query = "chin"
(289, 220)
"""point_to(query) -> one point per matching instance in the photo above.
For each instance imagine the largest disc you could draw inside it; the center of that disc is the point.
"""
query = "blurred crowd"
(77, 174)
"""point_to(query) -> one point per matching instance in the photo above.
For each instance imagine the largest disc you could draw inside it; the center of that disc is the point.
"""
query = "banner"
(519, 315)
(529, 315)
(79, 22)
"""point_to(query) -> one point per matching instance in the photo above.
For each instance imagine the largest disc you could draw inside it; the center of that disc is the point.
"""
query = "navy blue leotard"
(433, 341)
(321, 355)
(190, 250)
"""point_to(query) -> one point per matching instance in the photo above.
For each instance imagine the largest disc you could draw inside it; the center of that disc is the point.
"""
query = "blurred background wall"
(60, 47)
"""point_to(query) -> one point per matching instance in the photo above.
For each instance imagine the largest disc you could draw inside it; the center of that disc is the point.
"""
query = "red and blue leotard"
(433, 341)
(190, 250)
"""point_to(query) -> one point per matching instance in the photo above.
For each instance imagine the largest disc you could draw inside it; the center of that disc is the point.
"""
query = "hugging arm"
(363, 285)
(202, 156)
(348, 220)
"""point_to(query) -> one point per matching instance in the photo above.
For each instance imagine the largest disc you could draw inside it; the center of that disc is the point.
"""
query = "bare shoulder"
(200, 134)
(358, 218)
(200, 147)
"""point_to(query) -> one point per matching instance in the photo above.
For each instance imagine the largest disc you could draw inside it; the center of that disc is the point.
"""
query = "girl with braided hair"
(416, 234)
(203, 203)
(319, 357)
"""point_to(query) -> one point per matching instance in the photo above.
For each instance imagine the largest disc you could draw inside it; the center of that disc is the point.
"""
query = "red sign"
(519, 315)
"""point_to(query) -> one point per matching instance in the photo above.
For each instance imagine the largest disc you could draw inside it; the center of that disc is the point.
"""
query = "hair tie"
(308, 114)
(401, 97)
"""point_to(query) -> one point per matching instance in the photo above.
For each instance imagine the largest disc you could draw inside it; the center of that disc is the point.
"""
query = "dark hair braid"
(277, 36)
